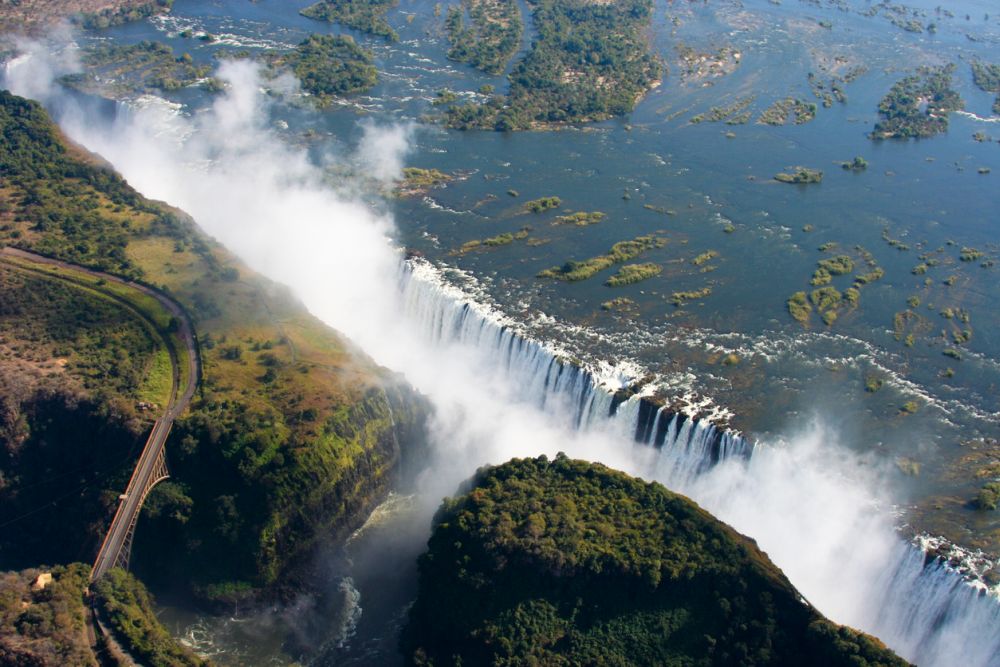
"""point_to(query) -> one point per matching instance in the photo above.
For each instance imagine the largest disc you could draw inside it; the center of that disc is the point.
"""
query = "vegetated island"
(697, 66)
(800, 175)
(492, 39)
(542, 204)
(828, 90)
(363, 15)
(827, 299)
(564, 562)
(580, 218)
(35, 16)
(735, 113)
(987, 78)
(417, 180)
(856, 165)
(634, 273)
(145, 67)
(293, 437)
(918, 105)
(591, 61)
(787, 108)
(620, 252)
(506, 238)
(326, 66)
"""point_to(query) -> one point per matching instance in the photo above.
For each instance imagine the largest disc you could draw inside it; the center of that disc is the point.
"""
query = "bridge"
(151, 467)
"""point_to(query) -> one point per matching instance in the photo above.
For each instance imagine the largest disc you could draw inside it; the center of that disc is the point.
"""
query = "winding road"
(151, 467)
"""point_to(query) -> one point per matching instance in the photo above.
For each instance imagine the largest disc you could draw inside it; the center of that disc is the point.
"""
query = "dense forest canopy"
(566, 563)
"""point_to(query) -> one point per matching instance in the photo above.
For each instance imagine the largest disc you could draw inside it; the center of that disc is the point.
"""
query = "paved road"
(147, 471)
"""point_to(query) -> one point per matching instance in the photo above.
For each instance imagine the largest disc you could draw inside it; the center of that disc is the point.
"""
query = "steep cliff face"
(294, 434)
(61, 454)
(567, 563)
(232, 534)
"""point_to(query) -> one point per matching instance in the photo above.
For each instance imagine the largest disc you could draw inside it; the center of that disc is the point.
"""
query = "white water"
(819, 511)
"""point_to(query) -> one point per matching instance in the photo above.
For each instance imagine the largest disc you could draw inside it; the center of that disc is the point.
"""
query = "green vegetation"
(543, 204)
(492, 39)
(820, 277)
(363, 15)
(679, 299)
(44, 619)
(568, 563)
(837, 266)
(620, 252)
(800, 175)
(417, 180)
(829, 302)
(590, 61)
(633, 273)
(328, 66)
(735, 113)
(893, 243)
(620, 303)
(109, 341)
(970, 254)
(988, 498)
(824, 297)
(293, 437)
(503, 239)
(918, 105)
(987, 78)
(832, 89)
(580, 218)
(500, 239)
(122, 13)
(909, 408)
(705, 257)
(865, 278)
(45, 625)
(799, 307)
(857, 164)
(127, 69)
(444, 97)
(126, 606)
(873, 383)
(325, 65)
(789, 107)
(702, 65)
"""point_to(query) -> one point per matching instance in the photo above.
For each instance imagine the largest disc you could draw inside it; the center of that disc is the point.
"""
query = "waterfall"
(928, 609)
(548, 379)
(917, 603)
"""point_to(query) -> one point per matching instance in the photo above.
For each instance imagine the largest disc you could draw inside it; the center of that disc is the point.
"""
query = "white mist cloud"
(811, 505)
(383, 149)
(33, 71)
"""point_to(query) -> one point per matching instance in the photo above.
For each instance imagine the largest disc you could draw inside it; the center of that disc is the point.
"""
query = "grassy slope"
(564, 562)
(292, 432)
